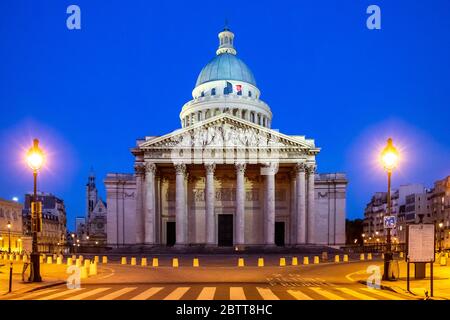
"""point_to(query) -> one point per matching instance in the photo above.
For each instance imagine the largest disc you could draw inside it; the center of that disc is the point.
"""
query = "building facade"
(226, 178)
(52, 238)
(96, 215)
(12, 238)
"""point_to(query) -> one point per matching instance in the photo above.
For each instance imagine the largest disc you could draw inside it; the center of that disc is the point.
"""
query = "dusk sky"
(89, 94)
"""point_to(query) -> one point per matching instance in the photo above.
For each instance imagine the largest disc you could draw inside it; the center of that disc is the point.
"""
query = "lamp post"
(35, 159)
(441, 225)
(9, 237)
(389, 157)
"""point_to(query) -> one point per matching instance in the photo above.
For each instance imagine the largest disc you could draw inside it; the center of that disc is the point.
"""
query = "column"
(180, 206)
(150, 212)
(269, 221)
(240, 204)
(311, 205)
(210, 204)
(293, 212)
(140, 220)
(301, 203)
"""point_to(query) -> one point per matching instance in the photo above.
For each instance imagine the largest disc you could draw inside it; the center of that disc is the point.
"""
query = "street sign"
(421, 243)
(390, 222)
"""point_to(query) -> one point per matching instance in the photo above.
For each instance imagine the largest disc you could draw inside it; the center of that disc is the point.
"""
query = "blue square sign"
(390, 222)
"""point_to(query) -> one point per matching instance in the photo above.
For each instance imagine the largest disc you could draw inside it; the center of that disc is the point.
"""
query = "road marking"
(59, 294)
(327, 294)
(87, 294)
(116, 294)
(35, 294)
(356, 294)
(207, 293)
(267, 294)
(297, 294)
(237, 293)
(147, 294)
(382, 294)
(349, 276)
(177, 293)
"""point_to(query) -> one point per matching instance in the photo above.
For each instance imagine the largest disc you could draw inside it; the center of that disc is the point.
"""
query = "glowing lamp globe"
(35, 156)
(389, 156)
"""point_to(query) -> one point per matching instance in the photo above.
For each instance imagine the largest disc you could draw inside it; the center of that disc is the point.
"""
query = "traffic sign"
(390, 222)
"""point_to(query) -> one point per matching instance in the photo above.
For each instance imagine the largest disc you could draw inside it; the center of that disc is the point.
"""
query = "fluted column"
(139, 170)
(311, 205)
(293, 213)
(180, 206)
(210, 204)
(301, 203)
(269, 221)
(240, 204)
(150, 213)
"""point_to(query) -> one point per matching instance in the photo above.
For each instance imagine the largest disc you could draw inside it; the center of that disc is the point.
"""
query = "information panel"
(421, 243)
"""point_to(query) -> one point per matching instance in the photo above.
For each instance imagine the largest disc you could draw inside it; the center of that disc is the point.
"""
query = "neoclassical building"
(226, 178)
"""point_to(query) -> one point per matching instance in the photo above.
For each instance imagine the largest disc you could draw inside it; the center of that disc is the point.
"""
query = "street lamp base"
(391, 268)
(35, 274)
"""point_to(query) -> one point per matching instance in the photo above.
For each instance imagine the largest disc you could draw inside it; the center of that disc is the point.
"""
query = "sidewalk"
(419, 288)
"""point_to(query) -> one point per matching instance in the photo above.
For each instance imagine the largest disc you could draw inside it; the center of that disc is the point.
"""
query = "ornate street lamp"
(389, 158)
(9, 237)
(441, 225)
(35, 159)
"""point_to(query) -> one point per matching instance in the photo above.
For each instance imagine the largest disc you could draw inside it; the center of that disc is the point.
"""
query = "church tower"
(91, 197)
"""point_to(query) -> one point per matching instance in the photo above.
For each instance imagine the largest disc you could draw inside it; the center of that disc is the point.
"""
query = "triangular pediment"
(225, 130)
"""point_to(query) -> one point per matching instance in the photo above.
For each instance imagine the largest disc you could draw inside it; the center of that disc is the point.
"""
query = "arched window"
(199, 116)
(250, 94)
(252, 117)
(207, 114)
(213, 91)
(202, 94)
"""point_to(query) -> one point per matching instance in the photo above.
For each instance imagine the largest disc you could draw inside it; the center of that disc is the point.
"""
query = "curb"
(46, 286)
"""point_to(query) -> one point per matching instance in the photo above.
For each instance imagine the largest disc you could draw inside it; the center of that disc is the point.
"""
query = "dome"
(226, 66)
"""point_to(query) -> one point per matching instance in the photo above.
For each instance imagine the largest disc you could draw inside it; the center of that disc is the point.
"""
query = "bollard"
(133, 261)
(306, 260)
(324, 256)
(443, 261)
(175, 262)
(49, 260)
(25, 258)
(260, 262)
(400, 254)
(18, 257)
(123, 260)
(195, 262)
(84, 272)
(96, 260)
(336, 258)
(59, 260)
(282, 262)
(155, 262)
(11, 257)
(345, 257)
(87, 263)
(41, 259)
(69, 261)
(93, 269)
(382, 256)
(144, 262)
(369, 256)
(44, 256)
(361, 257)
(78, 263)
(241, 262)
(74, 257)
(55, 256)
(104, 259)
(316, 260)
(81, 258)
(294, 261)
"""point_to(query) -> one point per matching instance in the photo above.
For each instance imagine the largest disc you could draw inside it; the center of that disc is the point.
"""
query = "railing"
(374, 248)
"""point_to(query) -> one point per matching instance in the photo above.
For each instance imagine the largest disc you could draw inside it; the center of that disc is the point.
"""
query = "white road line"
(60, 294)
(207, 293)
(297, 294)
(237, 293)
(267, 294)
(116, 294)
(147, 294)
(383, 294)
(356, 294)
(177, 293)
(327, 294)
(87, 294)
(34, 294)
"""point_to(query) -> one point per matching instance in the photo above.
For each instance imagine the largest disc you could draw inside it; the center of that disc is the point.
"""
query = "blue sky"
(89, 93)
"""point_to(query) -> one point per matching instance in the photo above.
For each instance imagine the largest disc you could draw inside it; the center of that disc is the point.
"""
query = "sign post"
(421, 248)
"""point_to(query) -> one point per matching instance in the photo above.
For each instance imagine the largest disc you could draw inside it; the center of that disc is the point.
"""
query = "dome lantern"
(226, 42)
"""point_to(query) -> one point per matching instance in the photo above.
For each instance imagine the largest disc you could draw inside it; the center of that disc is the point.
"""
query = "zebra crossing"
(198, 292)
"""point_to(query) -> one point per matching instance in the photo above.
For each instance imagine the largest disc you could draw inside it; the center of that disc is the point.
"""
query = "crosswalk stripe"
(267, 294)
(207, 293)
(382, 294)
(356, 294)
(297, 294)
(87, 294)
(237, 293)
(177, 293)
(327, 294)
(59, 294)
(35, 294)
(116, 294)
(147, 294)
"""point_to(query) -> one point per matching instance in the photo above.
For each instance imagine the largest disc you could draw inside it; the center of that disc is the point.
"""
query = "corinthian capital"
(240, 167)
(180, 168)
(139, 168)
(150, 168)
(311, 168)
(210, 168)
(300, 167)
